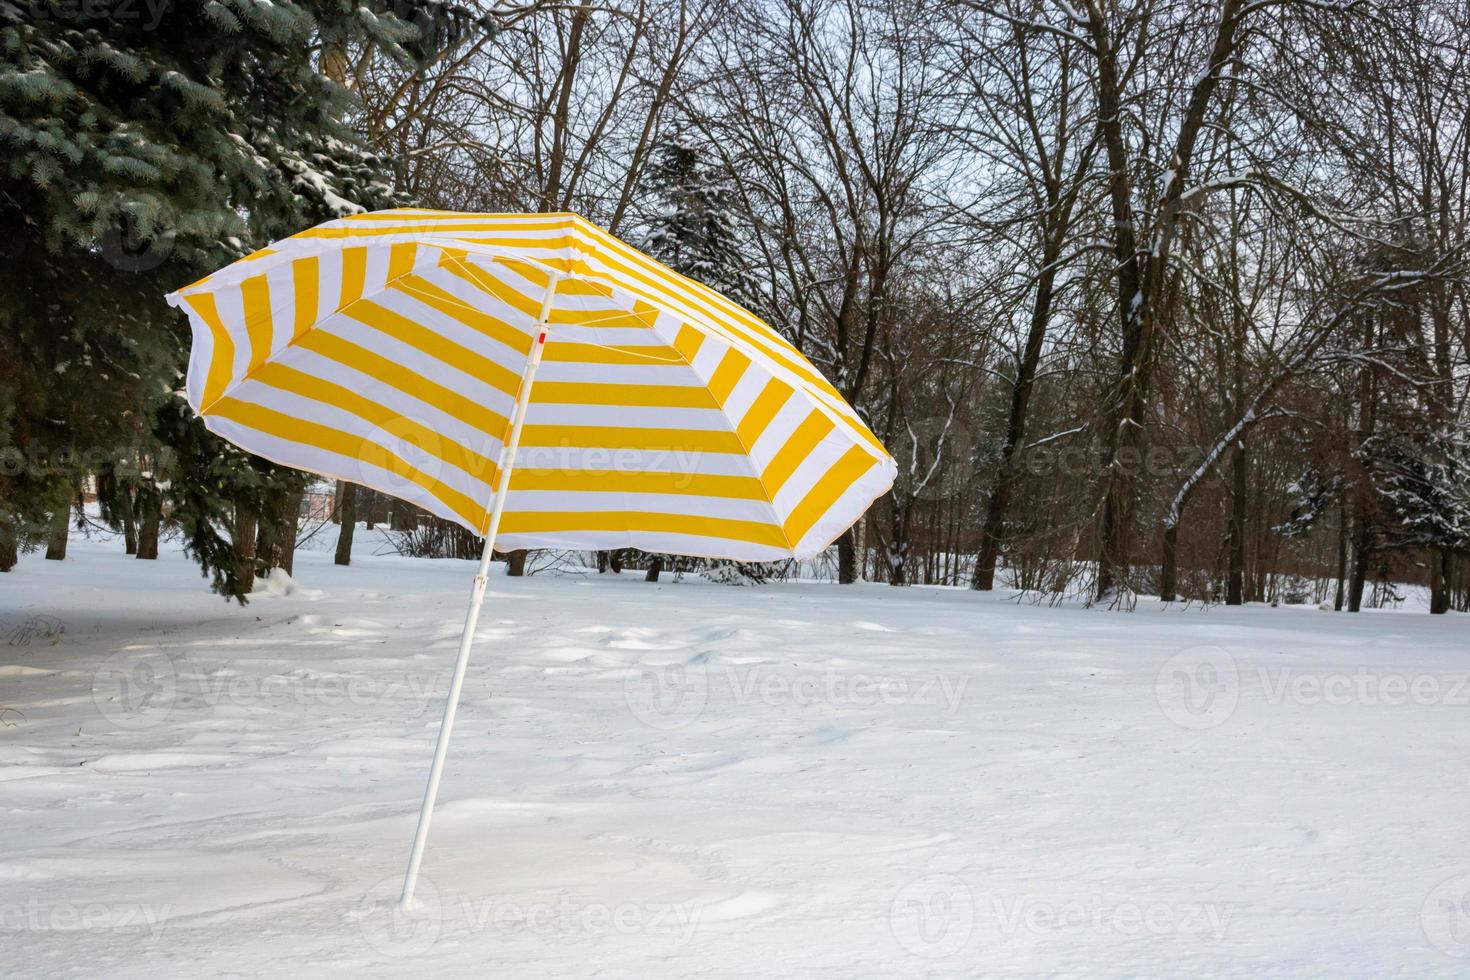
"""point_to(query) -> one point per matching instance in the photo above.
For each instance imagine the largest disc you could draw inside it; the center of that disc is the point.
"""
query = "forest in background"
(1146, 297)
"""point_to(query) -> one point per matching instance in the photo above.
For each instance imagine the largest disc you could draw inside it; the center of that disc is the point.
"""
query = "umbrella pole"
(477, 596)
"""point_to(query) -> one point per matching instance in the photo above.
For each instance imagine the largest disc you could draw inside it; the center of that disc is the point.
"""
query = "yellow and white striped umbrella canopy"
(387, 349)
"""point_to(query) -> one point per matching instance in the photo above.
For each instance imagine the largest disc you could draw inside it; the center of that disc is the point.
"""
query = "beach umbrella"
(535, 380)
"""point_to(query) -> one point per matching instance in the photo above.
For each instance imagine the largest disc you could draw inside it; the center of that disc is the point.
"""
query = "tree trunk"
(847, 567)
(244, 540)
(1140, 273)
(60, 530)
(1366, 424)
(129, 520)
(993, 530)
(1359, 577)
(347, 515)
(1169, 567)
(1235, 584)
(898, 548)
(1124, 406)
(9, 553)
(275, 543)
(289, 527)
(654, 567)
(1439, 580)
(515, 562)
(148, 510)
(1342, 553)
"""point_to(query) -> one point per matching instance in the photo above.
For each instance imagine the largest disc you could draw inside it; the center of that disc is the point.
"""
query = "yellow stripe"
(345, 444)
(354, 275)
(732, 366)
(637, 481)
(317, 389)
(812, 430)
(833, 484)
(473, 317)
(615, 319)
(222, 357)
(435, 345)
(305, 281)
(687, 342)
(255, 297)
(400, 259)
(765, 407)
(630, 437)
(597, 393)
(551, 522)
(450, 402)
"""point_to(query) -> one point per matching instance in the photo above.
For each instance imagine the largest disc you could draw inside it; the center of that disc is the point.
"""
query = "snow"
(795, 780)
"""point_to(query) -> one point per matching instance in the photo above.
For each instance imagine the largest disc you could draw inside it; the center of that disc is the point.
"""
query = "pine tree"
(693, 230)
(145, 145)
(1423, 479)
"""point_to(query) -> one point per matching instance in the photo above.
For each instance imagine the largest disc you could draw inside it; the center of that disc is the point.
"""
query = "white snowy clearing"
(793, 780)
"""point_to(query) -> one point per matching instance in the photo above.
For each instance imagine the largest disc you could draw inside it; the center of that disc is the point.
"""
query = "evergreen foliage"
(147, 143)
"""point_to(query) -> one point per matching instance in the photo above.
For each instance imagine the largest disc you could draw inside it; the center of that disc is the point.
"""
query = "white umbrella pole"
(477, 595)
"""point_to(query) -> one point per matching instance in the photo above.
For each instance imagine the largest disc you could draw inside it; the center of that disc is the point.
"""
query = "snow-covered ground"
(799, 780)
